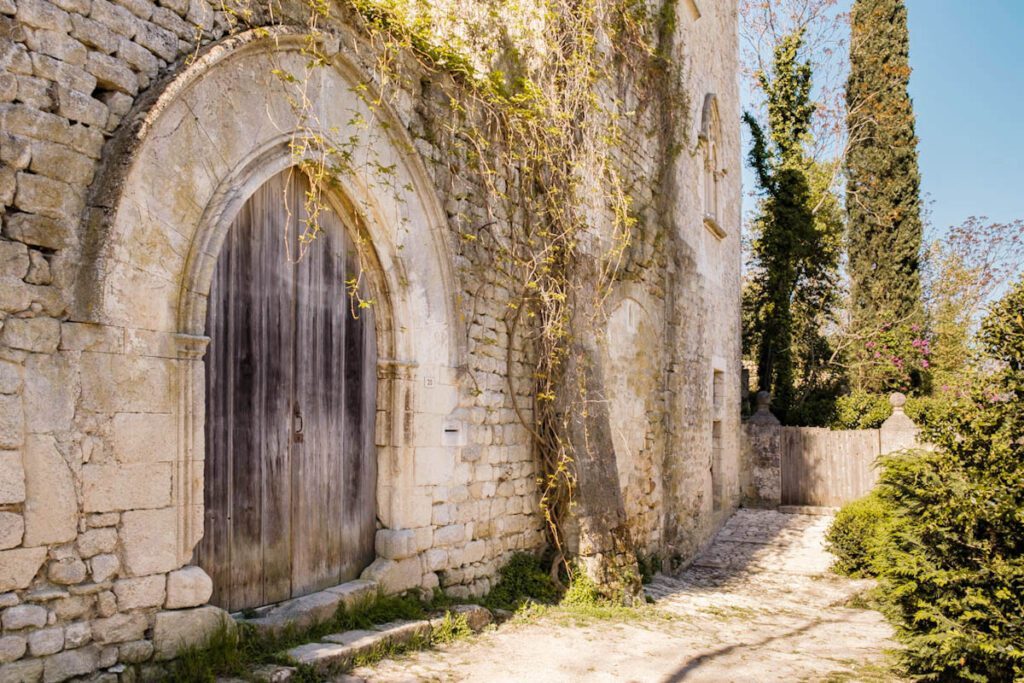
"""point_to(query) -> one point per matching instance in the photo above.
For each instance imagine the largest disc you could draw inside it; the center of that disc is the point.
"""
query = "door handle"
(298, 425)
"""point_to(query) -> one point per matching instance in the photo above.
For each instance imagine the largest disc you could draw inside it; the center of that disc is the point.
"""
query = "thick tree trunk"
(606, 554)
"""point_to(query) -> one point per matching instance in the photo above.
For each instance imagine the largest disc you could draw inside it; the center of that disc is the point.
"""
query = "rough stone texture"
(11, 648)
(104, 567)
(147, 591)
(898, 432)
(355, 593)
(12, 529)
(477, 617)
(23, 616)
(12, 478)
(304, 612)
(394, 577)
(119, 628)
(51, 502)
(188, 587)
(181, 629)
(67, 571)
(46, 641)
(12, 422)
(126, 487)
(27, 670)
(340, 649)
(762, 465)
(19, 566)
(96, 541)
(70, 663)
(395, 544)
(148, 539)
(135, 651)
(77, 635)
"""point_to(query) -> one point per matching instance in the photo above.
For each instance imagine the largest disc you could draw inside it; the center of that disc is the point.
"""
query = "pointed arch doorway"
(290, 469)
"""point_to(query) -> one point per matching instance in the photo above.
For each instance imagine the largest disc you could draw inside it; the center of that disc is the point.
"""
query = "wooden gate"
(290, 403)
(822, 467)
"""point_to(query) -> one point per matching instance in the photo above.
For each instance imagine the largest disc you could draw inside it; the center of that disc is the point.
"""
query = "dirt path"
(759, 605)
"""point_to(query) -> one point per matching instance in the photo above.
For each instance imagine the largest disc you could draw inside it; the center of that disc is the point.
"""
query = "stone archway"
(180, 170)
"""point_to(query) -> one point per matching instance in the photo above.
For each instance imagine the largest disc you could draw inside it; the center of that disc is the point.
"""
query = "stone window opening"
(713, 173)
(717, 391)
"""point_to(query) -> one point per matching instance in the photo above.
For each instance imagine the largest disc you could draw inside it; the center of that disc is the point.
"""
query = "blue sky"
(968, 90)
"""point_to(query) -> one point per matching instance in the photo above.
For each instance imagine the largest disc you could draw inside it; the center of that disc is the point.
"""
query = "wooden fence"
(827, 468)
(804, 466)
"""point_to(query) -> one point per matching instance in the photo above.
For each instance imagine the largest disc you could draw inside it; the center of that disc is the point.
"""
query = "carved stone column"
(187, 481)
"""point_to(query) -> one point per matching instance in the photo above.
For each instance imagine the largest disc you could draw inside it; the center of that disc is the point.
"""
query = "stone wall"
(129, 131)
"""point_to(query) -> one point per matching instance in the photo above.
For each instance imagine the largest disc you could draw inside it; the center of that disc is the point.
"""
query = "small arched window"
(710, 135)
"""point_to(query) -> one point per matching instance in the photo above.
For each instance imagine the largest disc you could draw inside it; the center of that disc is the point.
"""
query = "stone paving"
(759, 605)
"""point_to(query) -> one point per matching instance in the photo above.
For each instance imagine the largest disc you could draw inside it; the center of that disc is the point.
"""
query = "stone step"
(309, 610)
(340, 650)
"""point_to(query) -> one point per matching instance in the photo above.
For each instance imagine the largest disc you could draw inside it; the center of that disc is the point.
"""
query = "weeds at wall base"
(524, 588)
(237, 652)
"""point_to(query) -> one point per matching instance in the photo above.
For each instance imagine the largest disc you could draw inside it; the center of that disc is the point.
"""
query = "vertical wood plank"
(359, 504)
(319, 397)
(248, 374)
(272, 207)
(335, 370)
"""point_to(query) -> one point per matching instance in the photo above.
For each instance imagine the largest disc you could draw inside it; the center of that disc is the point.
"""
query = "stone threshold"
(309, 610)
(340, 650)
(337, 651)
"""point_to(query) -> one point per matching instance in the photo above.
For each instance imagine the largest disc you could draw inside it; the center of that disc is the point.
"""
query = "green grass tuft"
(521, 581)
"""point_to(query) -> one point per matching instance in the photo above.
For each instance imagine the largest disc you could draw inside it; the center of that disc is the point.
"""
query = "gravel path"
(759, 605)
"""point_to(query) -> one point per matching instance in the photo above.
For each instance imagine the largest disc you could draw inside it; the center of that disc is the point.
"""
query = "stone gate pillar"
(761, 458)
(898, 432)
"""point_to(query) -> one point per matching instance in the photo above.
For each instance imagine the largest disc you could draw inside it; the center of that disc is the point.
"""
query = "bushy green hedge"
(858, 534)
(950, 555)
(861, 410)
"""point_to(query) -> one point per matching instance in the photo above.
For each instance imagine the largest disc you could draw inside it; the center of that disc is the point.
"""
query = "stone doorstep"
(309, 610)
(342, 649)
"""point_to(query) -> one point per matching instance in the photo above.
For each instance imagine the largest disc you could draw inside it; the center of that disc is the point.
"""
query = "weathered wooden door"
(290, 402)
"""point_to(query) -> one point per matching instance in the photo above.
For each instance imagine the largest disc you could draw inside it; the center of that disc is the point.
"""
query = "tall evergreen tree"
(883, 197)
(795, 246)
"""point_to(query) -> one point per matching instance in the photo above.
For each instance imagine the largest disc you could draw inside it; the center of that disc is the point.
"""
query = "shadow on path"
(697, 662)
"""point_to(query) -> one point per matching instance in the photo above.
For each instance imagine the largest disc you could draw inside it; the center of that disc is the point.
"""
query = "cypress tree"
(883, 197)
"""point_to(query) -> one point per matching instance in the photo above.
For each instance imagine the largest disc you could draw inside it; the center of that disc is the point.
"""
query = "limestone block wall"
(129, 131)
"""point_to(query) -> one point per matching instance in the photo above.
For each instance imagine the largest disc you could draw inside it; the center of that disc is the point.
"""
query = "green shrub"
(582, 592)
(521, 580)
(952, 564)
(857, 535)
(931, 412)
(861, 410)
